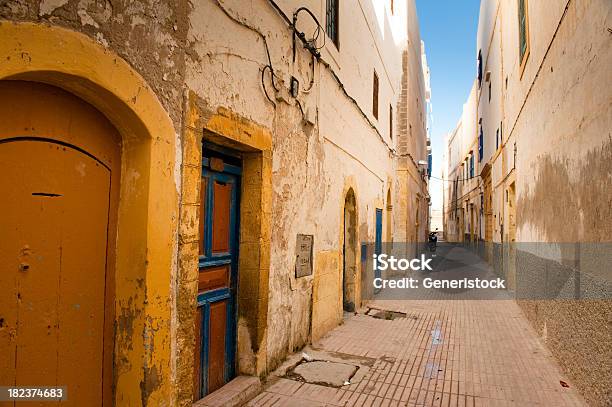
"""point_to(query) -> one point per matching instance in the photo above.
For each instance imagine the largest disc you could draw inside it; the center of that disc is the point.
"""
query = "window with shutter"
(331, 18)
(523, 33)
(375, 96)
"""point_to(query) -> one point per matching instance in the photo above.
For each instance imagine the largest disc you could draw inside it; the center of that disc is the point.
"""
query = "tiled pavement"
(444, 353)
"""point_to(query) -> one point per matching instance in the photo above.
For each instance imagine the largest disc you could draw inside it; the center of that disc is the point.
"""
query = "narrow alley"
(220, 203)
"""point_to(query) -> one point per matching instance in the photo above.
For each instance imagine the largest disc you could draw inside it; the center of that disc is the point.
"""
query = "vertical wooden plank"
(38, 227)
(81, 301)
(10, 206)
(203, 195)
(216, 345)
(221, 217)
(56, 235)
(31, 260)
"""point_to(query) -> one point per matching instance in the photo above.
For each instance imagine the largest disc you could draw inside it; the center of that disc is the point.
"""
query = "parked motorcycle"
(433, 240)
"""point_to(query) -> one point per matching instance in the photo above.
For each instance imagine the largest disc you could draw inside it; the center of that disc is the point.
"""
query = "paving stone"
(325, 372)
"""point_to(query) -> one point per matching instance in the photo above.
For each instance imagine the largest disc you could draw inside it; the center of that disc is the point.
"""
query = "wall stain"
(557, 196)
(152, 382)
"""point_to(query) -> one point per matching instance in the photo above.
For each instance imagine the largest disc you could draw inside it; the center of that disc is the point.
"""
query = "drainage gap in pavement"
(323, 373)
(384, 314)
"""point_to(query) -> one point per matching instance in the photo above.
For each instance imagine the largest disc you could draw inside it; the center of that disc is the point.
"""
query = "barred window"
(331, 18)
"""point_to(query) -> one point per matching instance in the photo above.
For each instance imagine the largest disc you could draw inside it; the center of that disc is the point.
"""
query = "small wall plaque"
(303, 255)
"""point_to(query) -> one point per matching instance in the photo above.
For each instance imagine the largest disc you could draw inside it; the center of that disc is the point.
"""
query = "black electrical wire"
(263, 84)
(265, 41)
(340, 84)
(312, 47)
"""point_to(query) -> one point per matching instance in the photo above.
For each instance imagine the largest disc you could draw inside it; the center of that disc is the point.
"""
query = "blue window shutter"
(471, 165)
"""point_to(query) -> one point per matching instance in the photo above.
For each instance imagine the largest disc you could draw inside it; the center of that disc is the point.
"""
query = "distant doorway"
(378, 242)
(349, 252)
(511, 236)
(472, 225)
(416, 227)
(389, 234)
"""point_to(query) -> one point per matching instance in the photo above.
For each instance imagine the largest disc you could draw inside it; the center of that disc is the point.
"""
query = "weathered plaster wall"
(204, 61)
(556, 148)
(567, 172)
(149, 35)
(318, 148)
(411, 197)
(564, 168)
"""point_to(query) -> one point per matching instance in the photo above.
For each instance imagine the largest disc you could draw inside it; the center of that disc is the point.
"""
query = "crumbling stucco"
(150, 35)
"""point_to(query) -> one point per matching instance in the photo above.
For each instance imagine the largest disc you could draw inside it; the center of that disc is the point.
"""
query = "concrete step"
(234, 394)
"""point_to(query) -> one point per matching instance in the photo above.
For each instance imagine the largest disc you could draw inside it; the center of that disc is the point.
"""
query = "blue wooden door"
(378, 241)
(217, 279)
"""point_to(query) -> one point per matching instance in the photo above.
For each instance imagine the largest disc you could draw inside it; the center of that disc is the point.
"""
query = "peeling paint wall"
(150, 35)
(318, 148)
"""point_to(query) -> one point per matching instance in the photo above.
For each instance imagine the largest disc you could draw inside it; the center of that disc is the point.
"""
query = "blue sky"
(448, 28)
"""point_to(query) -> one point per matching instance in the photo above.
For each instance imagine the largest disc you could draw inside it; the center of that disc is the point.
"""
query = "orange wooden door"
(54, 235)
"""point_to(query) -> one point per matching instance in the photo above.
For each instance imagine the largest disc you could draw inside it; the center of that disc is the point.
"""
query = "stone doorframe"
(225, 128)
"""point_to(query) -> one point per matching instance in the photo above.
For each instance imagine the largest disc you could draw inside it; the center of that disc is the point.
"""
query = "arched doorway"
(349, 252)
(60, 164)
(148, 208)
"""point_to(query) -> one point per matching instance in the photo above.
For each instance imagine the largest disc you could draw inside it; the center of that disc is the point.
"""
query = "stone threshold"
(234, 394)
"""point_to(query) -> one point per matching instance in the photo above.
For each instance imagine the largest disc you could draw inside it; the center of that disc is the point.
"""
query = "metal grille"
(331, 25)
